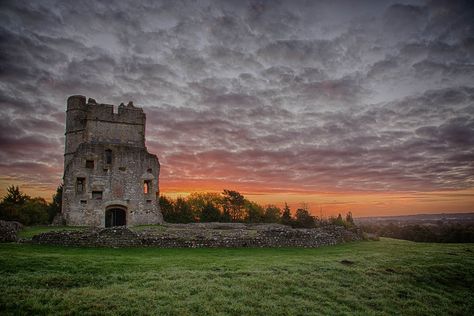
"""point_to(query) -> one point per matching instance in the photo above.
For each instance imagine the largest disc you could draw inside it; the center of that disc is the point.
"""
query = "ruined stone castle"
(110, 179)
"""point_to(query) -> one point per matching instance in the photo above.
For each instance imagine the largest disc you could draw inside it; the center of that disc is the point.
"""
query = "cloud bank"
(268, 96)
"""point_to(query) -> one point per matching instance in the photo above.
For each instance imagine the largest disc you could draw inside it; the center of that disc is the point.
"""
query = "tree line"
(19, 207)
(232, 207)
(459, 232)
(229, 206)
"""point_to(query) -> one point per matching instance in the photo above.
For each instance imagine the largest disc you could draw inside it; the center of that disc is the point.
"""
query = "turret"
(76, 115)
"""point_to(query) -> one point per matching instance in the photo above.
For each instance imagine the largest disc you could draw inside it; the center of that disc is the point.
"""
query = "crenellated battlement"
(76, 102)
(92, 122)
(127, 114)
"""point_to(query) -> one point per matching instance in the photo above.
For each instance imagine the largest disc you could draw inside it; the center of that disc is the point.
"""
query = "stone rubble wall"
(9, 231)
(195, 237)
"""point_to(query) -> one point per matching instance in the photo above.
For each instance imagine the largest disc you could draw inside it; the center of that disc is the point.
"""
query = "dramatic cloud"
(263, 96)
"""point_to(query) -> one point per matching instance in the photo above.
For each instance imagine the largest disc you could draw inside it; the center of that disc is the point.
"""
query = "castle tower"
(76, 115)
(110, 178)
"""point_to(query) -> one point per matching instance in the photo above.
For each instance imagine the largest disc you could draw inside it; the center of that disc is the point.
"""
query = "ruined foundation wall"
(205, 238)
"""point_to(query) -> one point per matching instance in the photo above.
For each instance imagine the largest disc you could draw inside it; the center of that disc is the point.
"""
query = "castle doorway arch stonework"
(115, 216)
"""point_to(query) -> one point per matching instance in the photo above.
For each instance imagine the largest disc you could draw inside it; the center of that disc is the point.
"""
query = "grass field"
(29, 231)
(387, 277)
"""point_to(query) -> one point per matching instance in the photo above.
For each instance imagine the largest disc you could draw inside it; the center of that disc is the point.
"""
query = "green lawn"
(388, 277)
(29, 231)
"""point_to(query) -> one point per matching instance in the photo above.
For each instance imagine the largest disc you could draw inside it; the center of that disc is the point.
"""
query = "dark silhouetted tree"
(210, 213)
(286, 216)
(337, 220)
(34, 211)
(183, 211)
(199, 201)
(167, 209)
(55, 206)
(16, 206)
(15, 196)
(303, 219)
(253, 212)
(349, 220)
(234, 205)
(272, 214)
(225, 217)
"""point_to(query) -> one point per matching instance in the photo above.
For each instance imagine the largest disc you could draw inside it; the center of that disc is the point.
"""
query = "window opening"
(147, 186)
(108, 156)
(90, 164)
(80, 185)
(97, 195)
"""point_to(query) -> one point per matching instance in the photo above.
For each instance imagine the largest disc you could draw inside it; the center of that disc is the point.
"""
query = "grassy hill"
(386, 277)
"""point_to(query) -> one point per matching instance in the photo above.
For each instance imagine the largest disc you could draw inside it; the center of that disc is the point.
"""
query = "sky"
(362, 106)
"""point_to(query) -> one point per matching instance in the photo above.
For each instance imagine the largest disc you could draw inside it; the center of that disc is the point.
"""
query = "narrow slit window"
(147, 186)
(108, 156)
(90, 164)
(80, 185)
(97, 195)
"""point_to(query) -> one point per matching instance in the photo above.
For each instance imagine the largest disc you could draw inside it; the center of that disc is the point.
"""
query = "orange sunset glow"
(325, 204)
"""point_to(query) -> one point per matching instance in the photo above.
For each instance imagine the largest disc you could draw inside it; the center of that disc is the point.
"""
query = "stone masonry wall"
(194, 237)
(120, 182)
(109, 178)
(9, 231)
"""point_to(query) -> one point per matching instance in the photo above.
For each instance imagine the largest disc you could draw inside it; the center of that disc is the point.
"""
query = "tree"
(349, 220)
(272, 214)
(225, 217)
(9, 211)
(16, 206)
(253, 212)
(183, 210)
(304, 219)
(34, 211)
(337, 221)
(12, 203)
(210, 213)
(14, 196)
(286, 216)
(200, 201)
(55, 206)
(234, 204)
(167, 209)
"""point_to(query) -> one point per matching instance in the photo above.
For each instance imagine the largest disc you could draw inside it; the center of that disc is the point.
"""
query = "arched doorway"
(115, 216)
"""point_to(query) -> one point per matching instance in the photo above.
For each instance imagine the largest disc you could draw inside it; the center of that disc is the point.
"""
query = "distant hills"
(419, 218)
